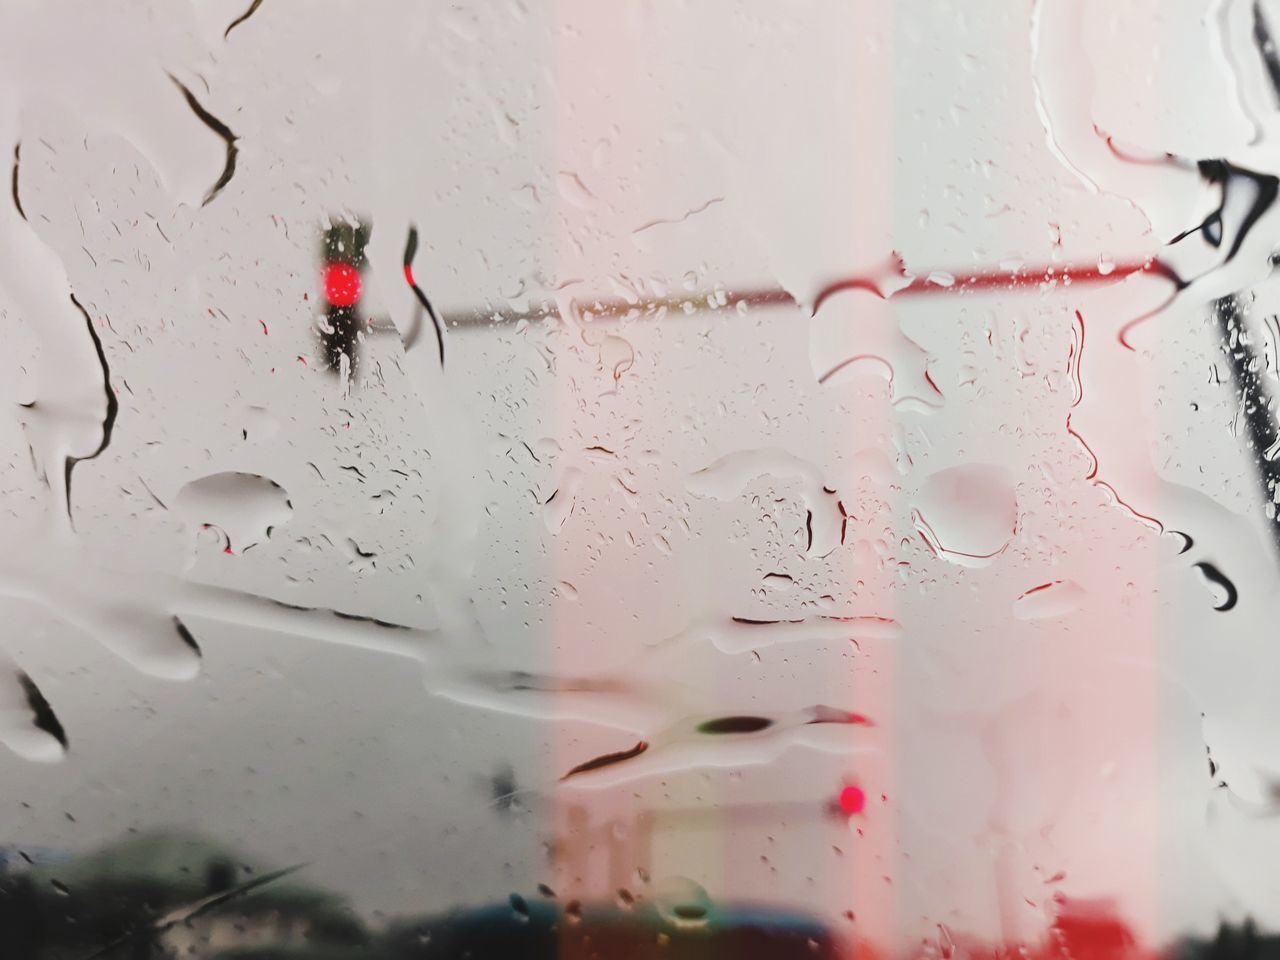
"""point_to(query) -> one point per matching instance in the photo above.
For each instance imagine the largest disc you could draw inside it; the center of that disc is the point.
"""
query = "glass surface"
(639, 478)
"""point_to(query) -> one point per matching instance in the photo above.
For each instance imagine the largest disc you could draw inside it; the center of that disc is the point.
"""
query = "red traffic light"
(853, 800)
(341, 284)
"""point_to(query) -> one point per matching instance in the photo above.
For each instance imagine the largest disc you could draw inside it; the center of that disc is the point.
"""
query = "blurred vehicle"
(543, 930)
(164, 894)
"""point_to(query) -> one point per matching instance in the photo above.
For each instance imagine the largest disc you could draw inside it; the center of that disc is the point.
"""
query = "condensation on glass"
(639, 479)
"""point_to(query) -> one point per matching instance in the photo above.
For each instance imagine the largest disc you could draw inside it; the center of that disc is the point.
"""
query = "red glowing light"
(341, 284)
(852, 800)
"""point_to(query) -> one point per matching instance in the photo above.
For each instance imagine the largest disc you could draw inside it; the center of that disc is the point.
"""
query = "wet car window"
(639, 479)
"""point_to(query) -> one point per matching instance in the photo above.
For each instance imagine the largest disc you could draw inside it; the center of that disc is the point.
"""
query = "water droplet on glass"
(519, 906)
(1057, 598)
(967, 514)
(1221, 589)
(681, 902)
(245, 507)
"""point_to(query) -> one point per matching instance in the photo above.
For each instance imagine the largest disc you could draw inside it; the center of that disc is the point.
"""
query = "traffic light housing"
(342, 253)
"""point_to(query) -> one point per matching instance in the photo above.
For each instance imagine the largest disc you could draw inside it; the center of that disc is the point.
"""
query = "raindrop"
(574, 191)
(722, 725)
(520, 906)
(967, 514)
(28, 725)
(1219, 585)
(1056, 598)
(682, 903)
(245, 507)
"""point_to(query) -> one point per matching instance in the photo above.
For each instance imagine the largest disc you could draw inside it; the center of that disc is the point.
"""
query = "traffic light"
(852, 799)
(343, 258)
(849, 801)
(342, 255)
